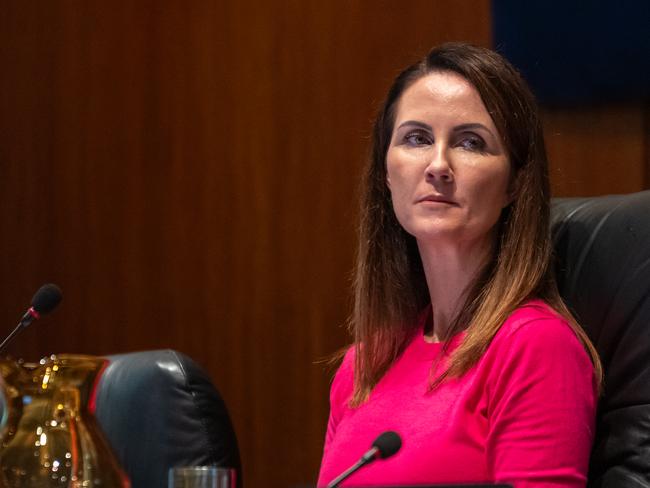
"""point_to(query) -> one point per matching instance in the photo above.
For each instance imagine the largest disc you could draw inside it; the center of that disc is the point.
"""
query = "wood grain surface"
(187, 173)
(598, 150)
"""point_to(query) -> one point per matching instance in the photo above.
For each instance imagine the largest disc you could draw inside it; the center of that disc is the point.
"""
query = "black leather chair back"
(159, 409)
(603, 271)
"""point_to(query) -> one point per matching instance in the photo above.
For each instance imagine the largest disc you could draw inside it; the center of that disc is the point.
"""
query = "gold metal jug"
(49, 435)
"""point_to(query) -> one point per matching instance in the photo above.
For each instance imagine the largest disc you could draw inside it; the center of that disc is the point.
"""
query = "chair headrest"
(602, 247)
(603, 272)
(159, 409)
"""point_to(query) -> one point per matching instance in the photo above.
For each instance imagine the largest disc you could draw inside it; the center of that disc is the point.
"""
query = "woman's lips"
(436, 200)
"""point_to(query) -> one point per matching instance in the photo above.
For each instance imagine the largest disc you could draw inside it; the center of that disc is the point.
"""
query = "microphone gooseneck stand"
(384, 446)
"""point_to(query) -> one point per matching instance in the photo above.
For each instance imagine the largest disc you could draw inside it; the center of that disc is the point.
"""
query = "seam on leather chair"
(638, 481)
(640, 268)
(210, 447)
(565, 220)
(173, 360)
(579, 207)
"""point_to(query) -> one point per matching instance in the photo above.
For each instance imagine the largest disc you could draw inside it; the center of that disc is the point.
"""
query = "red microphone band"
(34, 313)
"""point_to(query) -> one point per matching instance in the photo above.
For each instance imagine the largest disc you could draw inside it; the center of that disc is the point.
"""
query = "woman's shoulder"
(538, 358)
(536, 331)
(536, 318)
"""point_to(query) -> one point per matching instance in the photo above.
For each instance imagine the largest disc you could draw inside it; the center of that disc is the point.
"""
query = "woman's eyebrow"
(471, 126)
(415, 123)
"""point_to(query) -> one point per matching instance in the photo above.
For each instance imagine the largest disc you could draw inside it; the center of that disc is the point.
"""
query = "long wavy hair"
(390, 290)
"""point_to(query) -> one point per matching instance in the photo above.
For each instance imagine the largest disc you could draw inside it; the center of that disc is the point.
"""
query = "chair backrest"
(159, 409)
(603, 269)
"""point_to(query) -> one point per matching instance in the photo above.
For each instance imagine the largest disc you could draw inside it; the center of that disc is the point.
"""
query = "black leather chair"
(159, 409)
(603, 270)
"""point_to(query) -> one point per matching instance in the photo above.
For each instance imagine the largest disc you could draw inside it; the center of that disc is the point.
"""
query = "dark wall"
(589, 64)
(577, 53)
(186, 172)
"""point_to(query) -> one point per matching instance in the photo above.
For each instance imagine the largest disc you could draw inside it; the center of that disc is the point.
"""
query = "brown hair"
(390, 287)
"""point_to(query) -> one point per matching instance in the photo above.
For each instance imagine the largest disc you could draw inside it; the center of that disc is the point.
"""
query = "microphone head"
(387, 444)
(47, 298)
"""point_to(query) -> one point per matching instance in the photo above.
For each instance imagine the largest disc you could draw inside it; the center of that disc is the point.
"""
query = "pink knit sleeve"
(541, 402)
(340, 394)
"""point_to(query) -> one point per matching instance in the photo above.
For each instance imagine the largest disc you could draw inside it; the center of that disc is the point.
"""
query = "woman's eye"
(472, 143)
(417, 139)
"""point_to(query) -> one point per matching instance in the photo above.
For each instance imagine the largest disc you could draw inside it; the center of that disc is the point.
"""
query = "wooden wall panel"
(598, 150)
(186, 171)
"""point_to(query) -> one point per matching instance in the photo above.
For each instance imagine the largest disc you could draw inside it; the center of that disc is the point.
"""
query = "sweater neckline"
(421, 349)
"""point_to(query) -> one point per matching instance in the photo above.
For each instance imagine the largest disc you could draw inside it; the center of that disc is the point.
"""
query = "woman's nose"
(439, 167)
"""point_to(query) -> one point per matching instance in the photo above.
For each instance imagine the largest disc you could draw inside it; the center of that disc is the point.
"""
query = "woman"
(461, 341)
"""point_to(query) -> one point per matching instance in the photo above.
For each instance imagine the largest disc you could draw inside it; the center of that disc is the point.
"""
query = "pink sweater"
(524, 414)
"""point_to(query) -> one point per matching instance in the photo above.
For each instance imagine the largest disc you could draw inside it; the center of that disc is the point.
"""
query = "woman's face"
(447, 169)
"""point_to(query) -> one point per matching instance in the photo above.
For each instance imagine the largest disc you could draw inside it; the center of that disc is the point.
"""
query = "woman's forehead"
(442, 94)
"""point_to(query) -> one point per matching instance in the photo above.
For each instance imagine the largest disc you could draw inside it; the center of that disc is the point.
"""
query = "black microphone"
(384, 446)
(44, 301)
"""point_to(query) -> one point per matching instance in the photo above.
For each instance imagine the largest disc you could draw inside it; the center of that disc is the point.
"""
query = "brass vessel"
(49, 436)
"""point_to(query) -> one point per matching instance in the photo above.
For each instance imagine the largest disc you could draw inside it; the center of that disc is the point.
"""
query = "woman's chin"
(439, 234)
(460, 238)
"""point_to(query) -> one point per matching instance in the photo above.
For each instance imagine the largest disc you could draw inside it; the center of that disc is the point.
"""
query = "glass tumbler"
(201, 477)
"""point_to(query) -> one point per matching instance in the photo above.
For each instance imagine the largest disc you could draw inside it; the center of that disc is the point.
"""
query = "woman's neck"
(450, 271)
